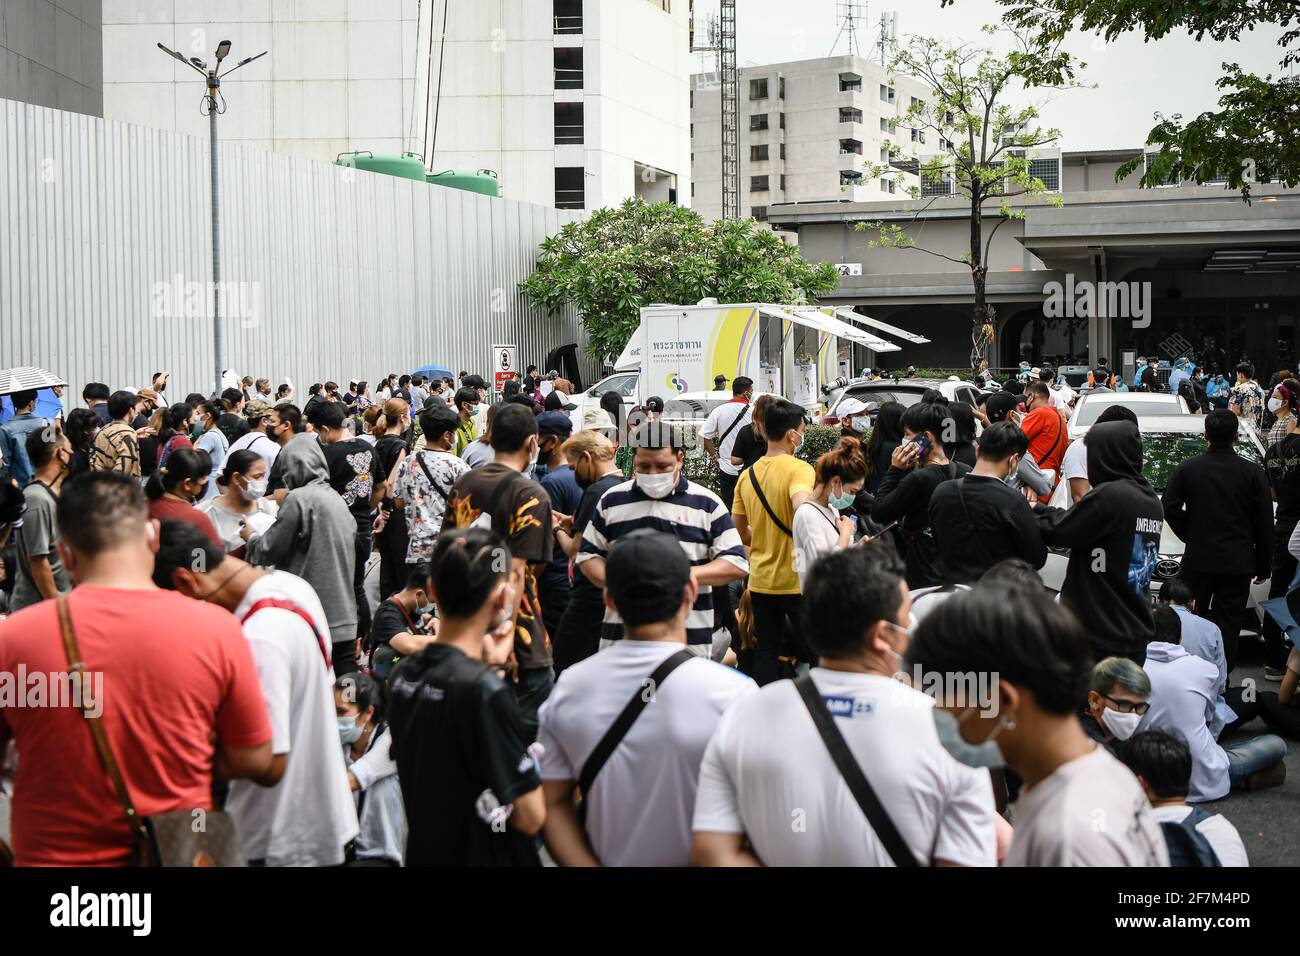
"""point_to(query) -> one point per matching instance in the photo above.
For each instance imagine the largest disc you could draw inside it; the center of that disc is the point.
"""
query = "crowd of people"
(412, 626)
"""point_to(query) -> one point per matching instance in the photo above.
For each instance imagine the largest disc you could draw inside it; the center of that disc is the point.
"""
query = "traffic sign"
(505, 365)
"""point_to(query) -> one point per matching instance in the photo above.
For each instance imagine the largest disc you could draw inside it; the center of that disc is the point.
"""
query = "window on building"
(569, 124)
(850, 115)
(1049, 171)
(783, 150)
(758, 121)
(916, 101)
(851, 146)
(759, 213)
(940, 185)
(918, 136)
(887, 185)
(783, 121)
(850, 83)
(568, 68)
(783, 182)
(886, 93)
(1148, 158)
(758, 89)
(850, 177)
(758, 184)
(757, 154)
(781, 89)
(887, 125)
(568, 16)
(570, 187)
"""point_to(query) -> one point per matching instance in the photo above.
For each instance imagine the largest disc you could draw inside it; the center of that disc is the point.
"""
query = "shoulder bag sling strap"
(858, 784)
(287, 605)
(614, 736)
(419, 458)
(762, 498)
(77, 671)
(1060, 427)
(732, 427)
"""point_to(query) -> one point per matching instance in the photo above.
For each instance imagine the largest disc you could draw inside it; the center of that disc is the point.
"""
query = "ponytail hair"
(1289, 389)
(466, 566)
(173, 417)
(845, 461)
(184, 464)
(389, 416)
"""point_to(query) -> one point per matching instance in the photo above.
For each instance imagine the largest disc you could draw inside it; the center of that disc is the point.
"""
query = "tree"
(982, 145)
(1255, 134)
(615, 261)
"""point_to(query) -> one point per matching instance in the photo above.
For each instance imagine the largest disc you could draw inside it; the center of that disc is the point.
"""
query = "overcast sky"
(1173, 75)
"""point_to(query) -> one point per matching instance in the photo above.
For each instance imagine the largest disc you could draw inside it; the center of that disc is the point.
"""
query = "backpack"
(1187, 845)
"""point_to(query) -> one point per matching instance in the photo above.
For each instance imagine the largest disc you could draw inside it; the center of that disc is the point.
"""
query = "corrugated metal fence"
(330, 273)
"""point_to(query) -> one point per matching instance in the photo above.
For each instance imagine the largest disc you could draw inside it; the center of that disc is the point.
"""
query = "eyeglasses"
(1127, 706)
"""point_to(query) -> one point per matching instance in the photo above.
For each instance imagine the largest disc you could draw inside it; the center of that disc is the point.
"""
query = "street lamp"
(214, 104)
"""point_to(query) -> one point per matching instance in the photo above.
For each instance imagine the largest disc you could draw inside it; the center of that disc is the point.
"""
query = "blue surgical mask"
(986, 754)
(841, 501)
(349, 732)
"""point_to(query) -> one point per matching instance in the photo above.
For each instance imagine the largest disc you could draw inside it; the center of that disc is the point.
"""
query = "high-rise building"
(51, 54)
(807, 129)
(573, 103)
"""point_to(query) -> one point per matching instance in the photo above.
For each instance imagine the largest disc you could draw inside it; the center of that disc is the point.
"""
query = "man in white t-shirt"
(1074, 466)
(638, 809)
(1030, 663)
(301, 812)
(769, 791)
(720, 430)
(261, 417)
(1060, 392)
(1163, 765)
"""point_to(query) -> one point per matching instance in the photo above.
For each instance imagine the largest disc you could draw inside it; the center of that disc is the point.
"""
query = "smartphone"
(867, 539)
(922, 445)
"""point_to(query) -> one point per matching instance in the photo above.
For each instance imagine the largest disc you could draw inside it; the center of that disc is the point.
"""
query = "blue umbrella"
(47, 406)
(434, 371)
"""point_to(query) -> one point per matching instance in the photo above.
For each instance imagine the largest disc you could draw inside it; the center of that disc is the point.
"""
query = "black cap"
(474, 381)
(642, 568)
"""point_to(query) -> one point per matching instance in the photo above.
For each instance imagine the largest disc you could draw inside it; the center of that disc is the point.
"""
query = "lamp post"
(214, 104)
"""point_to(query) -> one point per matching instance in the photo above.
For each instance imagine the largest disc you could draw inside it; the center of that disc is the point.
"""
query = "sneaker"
(1274, 673)
(1274, 776)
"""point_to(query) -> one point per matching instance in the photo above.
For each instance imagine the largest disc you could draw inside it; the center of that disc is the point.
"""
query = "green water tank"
(406, 166)
(483, 181)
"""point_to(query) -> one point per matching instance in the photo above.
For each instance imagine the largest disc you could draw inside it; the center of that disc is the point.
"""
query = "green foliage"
(612, 263)
(1251, 137)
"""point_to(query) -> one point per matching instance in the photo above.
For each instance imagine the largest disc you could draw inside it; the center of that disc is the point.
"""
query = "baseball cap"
(258, 408)
(850, 406)
(474, 381)
(1000, 404)
(641, 569)
(554, 423)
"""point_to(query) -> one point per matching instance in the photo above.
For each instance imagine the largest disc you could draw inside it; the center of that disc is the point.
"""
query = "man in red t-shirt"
(1045, 426)
(173, 677)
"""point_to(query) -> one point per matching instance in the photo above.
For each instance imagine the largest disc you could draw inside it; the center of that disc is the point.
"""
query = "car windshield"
(1162, 451)
(624, 385)
(904, 396)
(1093, 407)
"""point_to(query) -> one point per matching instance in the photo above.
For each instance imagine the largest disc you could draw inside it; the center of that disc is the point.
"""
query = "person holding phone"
(918, 466)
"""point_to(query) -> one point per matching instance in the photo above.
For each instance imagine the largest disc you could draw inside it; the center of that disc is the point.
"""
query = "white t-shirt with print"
(308, 817)
(639, 809)
(767, 773)
(1075, 462)
(424, 504)
(1088, 812)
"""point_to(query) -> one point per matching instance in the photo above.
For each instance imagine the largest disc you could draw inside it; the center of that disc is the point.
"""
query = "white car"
(906, 391)
(1143, 404)
(1166, 441)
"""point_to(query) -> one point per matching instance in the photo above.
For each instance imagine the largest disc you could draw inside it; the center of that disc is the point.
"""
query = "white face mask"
(254, 490)
(1275, 404)
(657, 486)
(1122, 726)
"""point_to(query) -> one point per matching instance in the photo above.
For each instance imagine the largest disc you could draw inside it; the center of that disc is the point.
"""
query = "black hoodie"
(1113, 534)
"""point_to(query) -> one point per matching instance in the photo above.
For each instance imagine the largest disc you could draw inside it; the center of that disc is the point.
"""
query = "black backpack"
(1187, 845)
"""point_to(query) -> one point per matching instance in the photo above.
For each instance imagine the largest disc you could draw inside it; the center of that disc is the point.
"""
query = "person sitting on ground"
(1038, 651)
(1118, 699)
(1163, 765)
(1202, 637)
(1183, 691)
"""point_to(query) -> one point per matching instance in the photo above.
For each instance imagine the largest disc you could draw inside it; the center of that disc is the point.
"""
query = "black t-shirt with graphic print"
(352, 475)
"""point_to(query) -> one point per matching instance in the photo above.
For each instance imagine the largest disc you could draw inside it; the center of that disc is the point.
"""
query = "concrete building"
(575, 103)
(51, 54)
(1174, 270)
(806, 130)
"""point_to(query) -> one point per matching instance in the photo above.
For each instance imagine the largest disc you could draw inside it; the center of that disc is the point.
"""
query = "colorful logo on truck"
(675, 381)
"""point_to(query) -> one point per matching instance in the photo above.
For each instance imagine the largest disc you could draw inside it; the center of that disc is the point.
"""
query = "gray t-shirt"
(36, 538)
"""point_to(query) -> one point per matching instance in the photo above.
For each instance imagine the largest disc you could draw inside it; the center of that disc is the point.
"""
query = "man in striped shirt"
(661, 498)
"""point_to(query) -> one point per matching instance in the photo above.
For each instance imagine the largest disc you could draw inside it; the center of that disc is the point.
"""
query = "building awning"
(851, 333)
(906, 336)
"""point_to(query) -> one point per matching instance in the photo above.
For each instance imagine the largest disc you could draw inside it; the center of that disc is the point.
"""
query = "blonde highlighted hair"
(393, 411)
(589, 442)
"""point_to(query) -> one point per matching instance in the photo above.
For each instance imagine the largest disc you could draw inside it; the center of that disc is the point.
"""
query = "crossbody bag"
(164, 839)
(762, 498)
